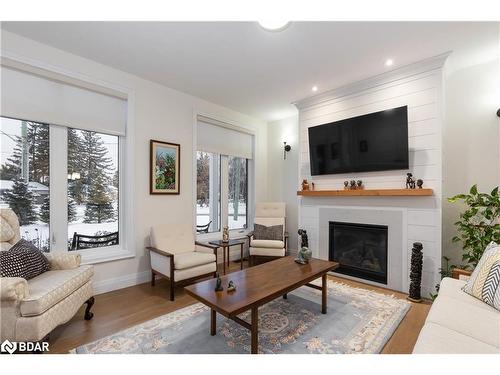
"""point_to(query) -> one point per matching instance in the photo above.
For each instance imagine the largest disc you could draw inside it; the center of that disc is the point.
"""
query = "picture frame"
(164, 167)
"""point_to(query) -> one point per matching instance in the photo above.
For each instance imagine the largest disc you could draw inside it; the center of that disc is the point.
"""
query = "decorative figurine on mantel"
(416, 273)
(353, 185)
(346, 185)
(218, 284)
(359, 184)
(420, 183)
(225, 234)
(304, 255)
(410, 181)
(231, 287)
(305, 185)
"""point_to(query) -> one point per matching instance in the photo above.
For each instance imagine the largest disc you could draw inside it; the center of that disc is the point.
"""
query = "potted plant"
(479, 224)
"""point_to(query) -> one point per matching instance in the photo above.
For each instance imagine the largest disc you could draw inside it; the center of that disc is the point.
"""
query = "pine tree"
(99, 206)
(45, 210)
(76, 188)
(203, 178)
(21, 201)
(71, 210)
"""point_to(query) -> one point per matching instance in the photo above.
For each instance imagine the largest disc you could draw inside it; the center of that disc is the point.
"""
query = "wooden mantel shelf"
(367, 193)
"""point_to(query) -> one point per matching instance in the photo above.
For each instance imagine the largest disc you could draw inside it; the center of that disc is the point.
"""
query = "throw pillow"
(273, 233)
(484, 282)
(23, 260)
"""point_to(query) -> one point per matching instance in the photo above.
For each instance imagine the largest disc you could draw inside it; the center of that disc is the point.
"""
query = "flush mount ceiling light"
(274, 24)
(314, 88)
(389, 62)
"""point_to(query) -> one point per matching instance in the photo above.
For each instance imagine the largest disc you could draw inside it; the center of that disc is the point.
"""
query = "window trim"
(241, 232)
(127, 248)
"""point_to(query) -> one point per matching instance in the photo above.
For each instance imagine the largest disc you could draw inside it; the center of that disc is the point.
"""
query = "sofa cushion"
(437, 339)
(23, 260)
(267, 244)
(452, 288)
(263, 251)
(273, 232)
(192, 259)
(469, 320)
(51, 287)
(484, 283)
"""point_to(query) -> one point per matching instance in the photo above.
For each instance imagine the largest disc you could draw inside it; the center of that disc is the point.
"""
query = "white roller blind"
(214, 136)
(31, 97)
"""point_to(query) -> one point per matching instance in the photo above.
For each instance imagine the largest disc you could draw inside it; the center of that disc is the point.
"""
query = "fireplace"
(361, 250)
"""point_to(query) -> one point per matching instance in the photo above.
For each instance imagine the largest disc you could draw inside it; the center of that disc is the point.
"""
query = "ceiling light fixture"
(389, 62)
(274, 25)
(314, 88)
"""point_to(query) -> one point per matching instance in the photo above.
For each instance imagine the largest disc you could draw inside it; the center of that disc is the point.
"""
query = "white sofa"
(31, 309)
(459, 324)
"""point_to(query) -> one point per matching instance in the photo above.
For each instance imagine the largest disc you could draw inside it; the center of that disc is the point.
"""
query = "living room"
(232, 186)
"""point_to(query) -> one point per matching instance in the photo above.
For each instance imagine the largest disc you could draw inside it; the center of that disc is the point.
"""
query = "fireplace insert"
(360, 249)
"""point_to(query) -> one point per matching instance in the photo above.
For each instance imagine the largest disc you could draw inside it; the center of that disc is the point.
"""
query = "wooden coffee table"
(257, 286)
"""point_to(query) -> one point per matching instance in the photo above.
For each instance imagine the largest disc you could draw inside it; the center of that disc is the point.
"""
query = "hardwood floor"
(120, 309)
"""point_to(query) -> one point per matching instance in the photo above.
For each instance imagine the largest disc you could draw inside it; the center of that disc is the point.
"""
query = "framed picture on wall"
(164, 167)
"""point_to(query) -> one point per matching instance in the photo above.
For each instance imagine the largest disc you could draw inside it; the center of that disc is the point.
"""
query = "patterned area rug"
(358, 321)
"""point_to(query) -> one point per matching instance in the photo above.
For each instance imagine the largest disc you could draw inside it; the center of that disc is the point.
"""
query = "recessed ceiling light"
(389, 62)
(314, 88)
(274, 24)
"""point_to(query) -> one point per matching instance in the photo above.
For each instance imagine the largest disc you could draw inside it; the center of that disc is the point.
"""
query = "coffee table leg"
(213, 322)
(324, 294)
(255, 330)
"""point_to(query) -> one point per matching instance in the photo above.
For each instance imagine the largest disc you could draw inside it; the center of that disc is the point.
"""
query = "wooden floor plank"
(124, 308)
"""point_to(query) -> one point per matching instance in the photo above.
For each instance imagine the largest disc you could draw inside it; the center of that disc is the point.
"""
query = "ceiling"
(244, 67)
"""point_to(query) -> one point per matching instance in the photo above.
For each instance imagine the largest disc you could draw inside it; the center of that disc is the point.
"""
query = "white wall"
(471, 132)
(159, 113)
(283, 174)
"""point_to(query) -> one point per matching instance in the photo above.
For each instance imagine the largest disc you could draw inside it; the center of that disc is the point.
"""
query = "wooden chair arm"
(161, 252)
(457, 272)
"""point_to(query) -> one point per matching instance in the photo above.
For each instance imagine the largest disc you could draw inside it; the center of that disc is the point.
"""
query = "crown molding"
(429, 64)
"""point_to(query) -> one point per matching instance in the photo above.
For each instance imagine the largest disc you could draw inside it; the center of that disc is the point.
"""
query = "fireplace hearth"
(361, 250)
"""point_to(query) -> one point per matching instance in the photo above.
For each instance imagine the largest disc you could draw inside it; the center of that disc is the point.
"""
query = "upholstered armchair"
(176, 256)
(268, 214)
(31, 309)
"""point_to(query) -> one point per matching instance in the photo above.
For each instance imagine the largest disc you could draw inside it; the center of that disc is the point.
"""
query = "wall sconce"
(286, 148)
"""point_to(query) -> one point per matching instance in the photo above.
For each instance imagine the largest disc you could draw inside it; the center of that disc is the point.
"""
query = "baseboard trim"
(108, 285)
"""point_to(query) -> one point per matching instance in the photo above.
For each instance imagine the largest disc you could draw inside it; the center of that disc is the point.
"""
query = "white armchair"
(176, 256)
(31, 309)
(268, 214)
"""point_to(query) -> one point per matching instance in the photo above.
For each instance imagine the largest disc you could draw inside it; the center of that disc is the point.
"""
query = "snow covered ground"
(203, 215)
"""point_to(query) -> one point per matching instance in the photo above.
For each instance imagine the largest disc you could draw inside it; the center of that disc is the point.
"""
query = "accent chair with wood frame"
(176, 256)
(268, 214)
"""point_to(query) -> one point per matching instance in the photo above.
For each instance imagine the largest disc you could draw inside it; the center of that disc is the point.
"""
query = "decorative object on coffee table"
(420, 183)
(231, 287)
(346, 185)
(305, 185)
(218, 284)
(416, 272)
(304, 255)
(225, 234)
(410, 181)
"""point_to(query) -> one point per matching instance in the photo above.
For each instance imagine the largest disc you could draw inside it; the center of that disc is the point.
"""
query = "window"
(237, 189)
(208, 208)
(93, 187)
(24, 177)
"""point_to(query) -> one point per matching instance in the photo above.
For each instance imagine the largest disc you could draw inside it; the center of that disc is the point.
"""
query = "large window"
(24, 177)
(93, 185)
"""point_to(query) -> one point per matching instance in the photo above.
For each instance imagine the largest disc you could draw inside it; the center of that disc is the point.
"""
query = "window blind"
(221, 138)
(28, 96)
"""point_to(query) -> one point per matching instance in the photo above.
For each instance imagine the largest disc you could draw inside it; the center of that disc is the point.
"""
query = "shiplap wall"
(419, 87)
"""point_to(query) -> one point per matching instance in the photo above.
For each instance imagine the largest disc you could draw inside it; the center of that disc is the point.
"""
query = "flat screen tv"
(373, 142)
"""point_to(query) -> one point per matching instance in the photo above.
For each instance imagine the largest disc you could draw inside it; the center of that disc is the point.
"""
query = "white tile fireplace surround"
(409, 218)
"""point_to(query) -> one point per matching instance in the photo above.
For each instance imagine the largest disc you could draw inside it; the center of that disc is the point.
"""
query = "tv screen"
(373, 142)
